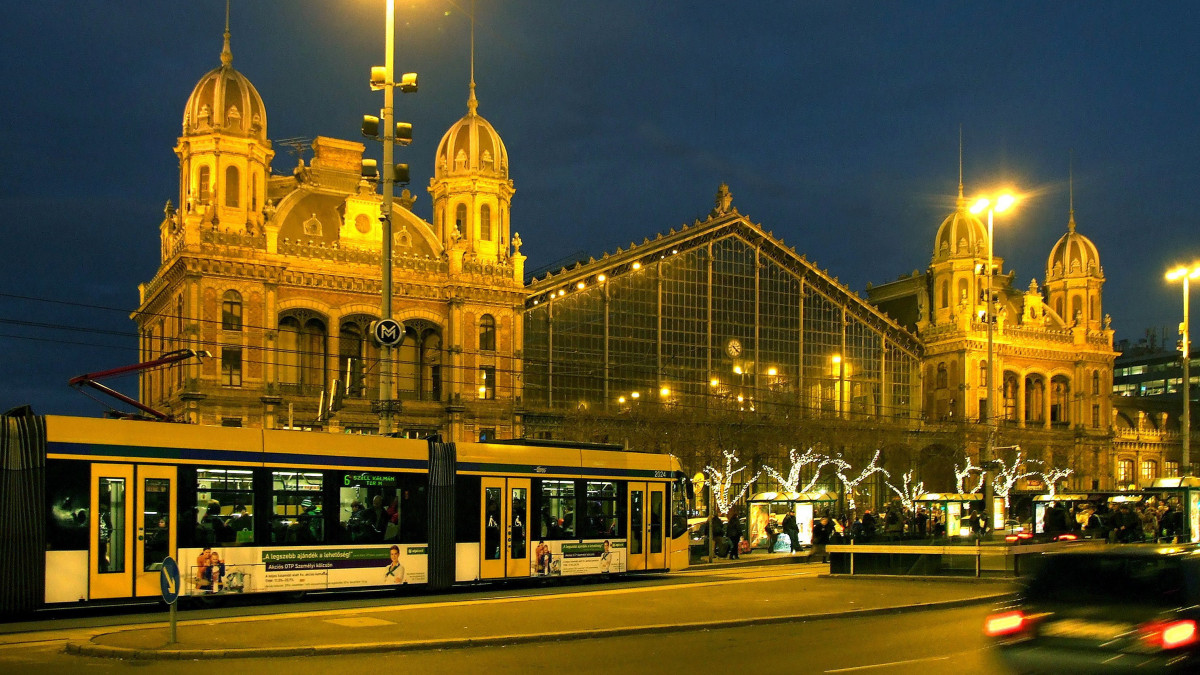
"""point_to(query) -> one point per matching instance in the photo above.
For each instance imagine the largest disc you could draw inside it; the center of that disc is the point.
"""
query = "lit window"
(487, 383)
(231, 366)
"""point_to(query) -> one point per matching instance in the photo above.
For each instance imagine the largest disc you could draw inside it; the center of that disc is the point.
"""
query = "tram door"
(647, 544)
(132, 529)
(504, 536)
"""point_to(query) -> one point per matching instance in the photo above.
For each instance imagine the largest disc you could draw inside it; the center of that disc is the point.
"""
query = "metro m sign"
(387, 332)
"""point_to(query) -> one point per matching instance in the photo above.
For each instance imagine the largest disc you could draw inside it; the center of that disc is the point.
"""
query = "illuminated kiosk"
(1043, 503)
(767, 506)
(953, 508)
(1183, 492)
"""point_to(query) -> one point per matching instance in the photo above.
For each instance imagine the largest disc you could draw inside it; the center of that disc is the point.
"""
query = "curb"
(88, 648)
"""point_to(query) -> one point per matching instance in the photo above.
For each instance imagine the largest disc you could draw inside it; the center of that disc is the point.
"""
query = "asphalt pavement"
(715, 595)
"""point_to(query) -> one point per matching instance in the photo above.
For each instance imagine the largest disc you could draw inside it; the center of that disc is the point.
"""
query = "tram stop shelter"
(953, 507)
(1181, 492)
(774, 506)
(1043, 503)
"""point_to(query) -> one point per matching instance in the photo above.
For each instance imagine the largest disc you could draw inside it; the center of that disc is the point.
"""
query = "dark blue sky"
(834, 123)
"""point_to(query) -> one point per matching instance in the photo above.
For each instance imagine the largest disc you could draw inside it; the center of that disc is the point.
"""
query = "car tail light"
(1065, 537)
(1004, 623)
(1172, 634)
(1017, 537)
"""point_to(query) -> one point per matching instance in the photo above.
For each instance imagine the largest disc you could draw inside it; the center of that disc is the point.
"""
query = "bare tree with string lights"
(842, 467)
(1008, 475)
(722, 481)
(1053, 476)
(961, 476)
(910, 492)
(791, 482)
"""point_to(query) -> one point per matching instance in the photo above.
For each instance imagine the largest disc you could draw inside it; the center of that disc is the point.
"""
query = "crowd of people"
(1154, 519)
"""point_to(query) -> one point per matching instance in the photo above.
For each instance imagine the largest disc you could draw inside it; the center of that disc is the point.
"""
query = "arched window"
(202, 190)
(1095, 383)
(1076, 308)
(487, 333)
(312, 354)
(288, 356)
(983, 374)
(941, 376)
(485, 222)
(231, 311)
(962, 290)
(351, 364)
(254, 192)
(1058, 309)
(1125, 471)
(460, 219)
(945, 294)
(1149, 471)
(233, 186)
(1060, 391)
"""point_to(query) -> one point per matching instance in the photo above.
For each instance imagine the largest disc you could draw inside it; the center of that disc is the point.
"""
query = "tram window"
(69, 510)
(111, 556)
(517, 526)
(602, 519)
(679, 508)
(557, 509)
(224, 506)
(296, 508)
(377, 507)
(466, 510)
(656, 516)
(491, 532)
(156, 540)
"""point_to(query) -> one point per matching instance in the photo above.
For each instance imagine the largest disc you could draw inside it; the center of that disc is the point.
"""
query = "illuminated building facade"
(278, 277)
(1052, 346)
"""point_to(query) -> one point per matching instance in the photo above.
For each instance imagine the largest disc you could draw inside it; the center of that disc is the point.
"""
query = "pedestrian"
(822, 529)
(734, 532)
(792, 530)
(772, 535)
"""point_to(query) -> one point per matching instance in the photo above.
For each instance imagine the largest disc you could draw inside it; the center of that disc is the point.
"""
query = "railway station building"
(711, 336)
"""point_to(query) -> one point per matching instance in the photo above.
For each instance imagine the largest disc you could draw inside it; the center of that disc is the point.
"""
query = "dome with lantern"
(471, 146)
(1073, 256)
(225, 101)
(962, 234)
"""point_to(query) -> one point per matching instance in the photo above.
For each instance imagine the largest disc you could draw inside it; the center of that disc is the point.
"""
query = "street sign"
(388, 332)
(169, 580)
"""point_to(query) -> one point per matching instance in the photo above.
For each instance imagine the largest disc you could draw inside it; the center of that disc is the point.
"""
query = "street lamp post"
(998, 205)
(391, 134)
(1185, 273)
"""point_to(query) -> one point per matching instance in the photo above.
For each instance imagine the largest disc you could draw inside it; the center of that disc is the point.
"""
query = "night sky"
(835, 124)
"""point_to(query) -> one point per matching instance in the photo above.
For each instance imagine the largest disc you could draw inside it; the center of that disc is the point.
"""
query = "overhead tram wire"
(779, 405)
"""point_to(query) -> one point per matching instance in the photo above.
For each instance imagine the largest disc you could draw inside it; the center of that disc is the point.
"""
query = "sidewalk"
(613, 610)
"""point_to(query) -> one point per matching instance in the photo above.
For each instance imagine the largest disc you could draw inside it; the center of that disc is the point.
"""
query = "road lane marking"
(889, 664)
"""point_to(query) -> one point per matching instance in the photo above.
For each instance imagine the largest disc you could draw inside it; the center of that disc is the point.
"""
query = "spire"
(1071, 182)
(961, 200)
(226, 53)
(472, 102)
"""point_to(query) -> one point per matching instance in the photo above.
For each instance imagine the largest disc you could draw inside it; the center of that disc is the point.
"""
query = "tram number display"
(660, 474)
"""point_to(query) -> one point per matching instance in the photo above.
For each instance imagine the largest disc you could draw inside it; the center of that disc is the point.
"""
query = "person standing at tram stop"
(792, 530)
(820, 532)
(734, 532)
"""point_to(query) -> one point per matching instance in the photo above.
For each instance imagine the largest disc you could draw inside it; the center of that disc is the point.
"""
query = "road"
(926, 642)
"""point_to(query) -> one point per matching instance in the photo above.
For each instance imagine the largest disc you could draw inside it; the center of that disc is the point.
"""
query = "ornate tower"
(1074, 277)
(472, 192)
(224, 154)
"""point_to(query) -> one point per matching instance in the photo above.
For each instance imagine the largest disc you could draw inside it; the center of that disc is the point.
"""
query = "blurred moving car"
(1136, 607)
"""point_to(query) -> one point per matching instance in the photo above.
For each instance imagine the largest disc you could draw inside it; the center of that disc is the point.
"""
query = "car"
(1134, 607)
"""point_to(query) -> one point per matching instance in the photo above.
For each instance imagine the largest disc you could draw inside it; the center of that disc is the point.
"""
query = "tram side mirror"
(691, 491)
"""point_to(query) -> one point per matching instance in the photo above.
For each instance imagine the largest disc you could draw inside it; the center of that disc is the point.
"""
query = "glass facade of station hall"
(718, 317)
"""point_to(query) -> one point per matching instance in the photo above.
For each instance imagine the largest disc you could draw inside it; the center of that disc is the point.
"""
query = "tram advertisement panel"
(556, 558)
(249, 570)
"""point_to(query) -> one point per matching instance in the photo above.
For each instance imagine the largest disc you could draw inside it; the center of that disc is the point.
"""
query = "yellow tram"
(254, 510)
